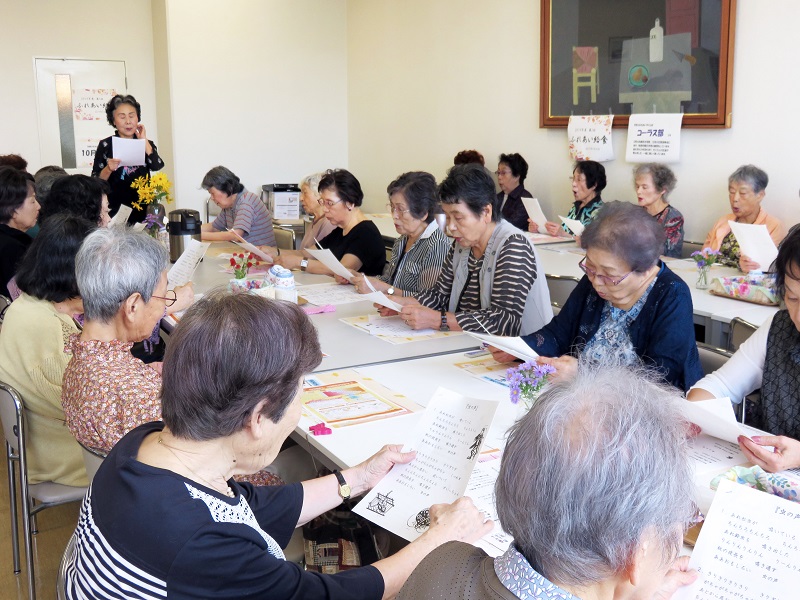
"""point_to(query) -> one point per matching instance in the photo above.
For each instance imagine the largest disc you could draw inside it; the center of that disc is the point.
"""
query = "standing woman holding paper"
(124, 113)
(588, 180)
(747, 186)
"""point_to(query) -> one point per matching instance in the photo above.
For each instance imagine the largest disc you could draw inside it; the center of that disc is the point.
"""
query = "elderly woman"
(32, 357)
(420, 251)
(511, 172)
(78, 195)
(746, 188)
(310, 199)
(628, 305)
(767, 360)
(466, 157)
(654, 183)
(124, 113)
(588, 180)
(164, 512)
(355, 240)
(18, 212)
(243, 214)
(603, 512)
(491, 279)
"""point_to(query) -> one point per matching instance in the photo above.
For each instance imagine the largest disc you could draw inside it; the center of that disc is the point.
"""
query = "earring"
(349, 208)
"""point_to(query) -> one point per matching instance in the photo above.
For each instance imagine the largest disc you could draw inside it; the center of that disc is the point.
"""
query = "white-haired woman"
(654, 183)
(609, 428)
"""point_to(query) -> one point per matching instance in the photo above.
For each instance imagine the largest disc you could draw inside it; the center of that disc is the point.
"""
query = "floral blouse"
(672, 221)
(521, 579)
(729, 251)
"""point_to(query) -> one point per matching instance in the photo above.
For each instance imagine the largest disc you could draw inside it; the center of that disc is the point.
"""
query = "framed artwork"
(637, 56)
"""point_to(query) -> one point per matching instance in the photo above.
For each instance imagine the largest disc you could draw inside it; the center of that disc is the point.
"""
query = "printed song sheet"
(382, 299)
(486, 368)
(535, 212)
(575, 226)
(181, 272)
(121, 216)
(327, 258)
(515, 346)
(392, 327)
(245, 245)
(129, 152)
(481, 490)
(348, 403)
(755, 243)
(321, 294)
(402, 333)
(749, 548)
(448, 440)
(714, 417)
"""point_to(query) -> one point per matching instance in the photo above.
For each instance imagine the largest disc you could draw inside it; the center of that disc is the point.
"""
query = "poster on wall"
(84, 151)
(654, 138)
(90, 104)
(590, 137)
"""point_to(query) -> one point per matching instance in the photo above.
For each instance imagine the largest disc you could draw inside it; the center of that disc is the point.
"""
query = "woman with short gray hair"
(654, 183)
(595, 486)
(629, 305)
(747, 186)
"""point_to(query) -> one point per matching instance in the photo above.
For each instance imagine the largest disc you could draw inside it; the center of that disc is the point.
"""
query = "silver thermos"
(184, 224)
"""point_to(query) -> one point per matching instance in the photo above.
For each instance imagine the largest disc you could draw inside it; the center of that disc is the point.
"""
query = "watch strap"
(303, 264)
(444, 326)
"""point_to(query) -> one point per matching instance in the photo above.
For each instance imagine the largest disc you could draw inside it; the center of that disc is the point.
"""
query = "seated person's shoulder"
(447, 571)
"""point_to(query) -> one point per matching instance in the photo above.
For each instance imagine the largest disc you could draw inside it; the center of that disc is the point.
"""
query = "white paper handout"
(748, 547)
(321, 294)
(393, 327)
(481, 490)
(448, 440)
(535, 212)
(715, 417)
(575, 226)
(326, 257)
(181, 272)
(245, 245)
(121, 216)
(382, 299)
(513, 345)
(129, 152)
(654, 137)
(755, 243)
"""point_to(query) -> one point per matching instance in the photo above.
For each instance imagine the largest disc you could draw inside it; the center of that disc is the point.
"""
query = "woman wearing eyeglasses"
(355, 242)
(588, 180)
(629, 306)
(419, 253)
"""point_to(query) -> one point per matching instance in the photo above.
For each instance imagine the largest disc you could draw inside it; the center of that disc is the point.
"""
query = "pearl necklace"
(227, 491)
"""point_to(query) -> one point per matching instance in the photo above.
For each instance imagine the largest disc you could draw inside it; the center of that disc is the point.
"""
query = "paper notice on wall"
(90, 104)
(85, 149)
(287, 205)
(654, 137)
(590, 137)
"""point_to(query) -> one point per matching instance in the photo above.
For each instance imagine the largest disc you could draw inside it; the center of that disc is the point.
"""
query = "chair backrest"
(4, 304)
(11, 415)
(92, 459)
(584, 58)
(560, 287)
(711, 357)
(284, 238)
(212, 210)
(689, 247)
(739, 331)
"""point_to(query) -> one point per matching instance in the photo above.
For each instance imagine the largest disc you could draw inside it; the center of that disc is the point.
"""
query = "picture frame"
(637, 56)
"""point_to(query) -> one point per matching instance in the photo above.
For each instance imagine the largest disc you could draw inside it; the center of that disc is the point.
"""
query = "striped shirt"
(250, 215)
(417, 268)
(515, 273)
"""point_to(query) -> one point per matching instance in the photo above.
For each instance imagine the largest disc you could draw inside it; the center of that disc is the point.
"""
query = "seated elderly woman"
(629, 304)
(512, 170)
(163, 511)
(18, 212)
(746, 189)
(243, 214)
(78, 195)
(603, 513)
(767, 360)
(355, 240)
(588, 180)
(32, 357)
(420, 251)
(654, 183)
(310, 199)
(491, 279)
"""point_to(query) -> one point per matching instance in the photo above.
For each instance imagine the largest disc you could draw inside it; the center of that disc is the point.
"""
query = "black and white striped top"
(515, 273)
(417, 268)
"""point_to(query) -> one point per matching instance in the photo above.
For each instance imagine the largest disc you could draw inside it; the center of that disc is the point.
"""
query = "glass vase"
(702, 278)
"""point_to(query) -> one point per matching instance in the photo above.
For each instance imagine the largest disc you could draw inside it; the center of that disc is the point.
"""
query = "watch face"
(344, 491)
(390, 291)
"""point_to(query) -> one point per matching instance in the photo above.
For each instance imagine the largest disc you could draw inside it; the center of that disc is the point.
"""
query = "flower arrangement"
(153, 225)
(242, 263)
(526, 382)
(153, 189)
(704, 259)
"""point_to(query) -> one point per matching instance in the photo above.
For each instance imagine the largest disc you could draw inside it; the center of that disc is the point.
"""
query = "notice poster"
(590, 137)
(90, 104)
(654, 138)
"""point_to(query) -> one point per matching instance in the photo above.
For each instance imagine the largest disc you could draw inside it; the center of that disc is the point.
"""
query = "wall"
(427, 79)
(86, 29)
(259, 86)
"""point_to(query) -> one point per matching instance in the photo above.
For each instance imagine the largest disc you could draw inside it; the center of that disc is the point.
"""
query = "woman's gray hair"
(628, 232)
(595, 468)
(751, 175)
(312, 182)
(663, 177)
(114, 263)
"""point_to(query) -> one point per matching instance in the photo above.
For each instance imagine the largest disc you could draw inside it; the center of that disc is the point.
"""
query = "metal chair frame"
(738, 331)
(559, 281)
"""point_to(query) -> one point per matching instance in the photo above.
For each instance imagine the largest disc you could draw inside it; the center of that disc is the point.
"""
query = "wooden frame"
(696, 78)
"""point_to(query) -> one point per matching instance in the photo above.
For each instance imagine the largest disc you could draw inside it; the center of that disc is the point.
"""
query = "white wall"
(427, 79)
(259, 86)
(87, 29)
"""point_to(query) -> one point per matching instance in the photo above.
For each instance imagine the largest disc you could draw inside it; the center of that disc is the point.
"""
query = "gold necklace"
(227, 491)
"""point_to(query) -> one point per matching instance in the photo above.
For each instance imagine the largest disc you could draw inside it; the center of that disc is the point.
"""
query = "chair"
(560, 287)
(66, 558)
(584, 71)
(739, 330)
(284, 238)
(212, 210)
(47, 493)
(92, 459)
(4, 304)
(711, 357)
(689, 247)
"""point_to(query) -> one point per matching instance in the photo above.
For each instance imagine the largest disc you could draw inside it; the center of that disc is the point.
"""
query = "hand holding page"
(181, 272)
(755, 243)
(448, 440)
(382, 299)
(245, 245)
(121, 216)
(327, 258)
(129, 152)
(576, 227)
(535, 212)
(715, 417)
(515, 346)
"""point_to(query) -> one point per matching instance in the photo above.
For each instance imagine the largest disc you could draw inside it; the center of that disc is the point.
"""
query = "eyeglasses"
(397, 210)
(577, 178)
(170, 299)
(328, 203)
(503, 172)
(603, 279)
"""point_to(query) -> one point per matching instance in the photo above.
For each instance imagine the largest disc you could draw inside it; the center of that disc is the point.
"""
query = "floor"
(55, 528)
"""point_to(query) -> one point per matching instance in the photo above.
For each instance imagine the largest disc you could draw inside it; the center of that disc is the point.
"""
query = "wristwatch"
(344, 488)
(303, 264)
(444, 326)
(390, 291)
